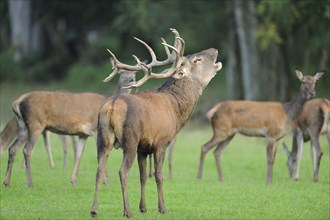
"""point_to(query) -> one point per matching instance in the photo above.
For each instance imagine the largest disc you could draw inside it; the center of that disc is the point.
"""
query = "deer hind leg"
(217, 154)
(104, 145)
(159, 161)
(48, 148)
(151, 173)
(316, 154)
(205, 148)
(80, 150)
(32, 138)
(271, 153)
(142, 160)
(20, 139)
(129, 156)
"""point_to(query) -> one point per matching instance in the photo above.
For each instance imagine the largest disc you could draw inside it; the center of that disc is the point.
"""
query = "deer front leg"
(316, 157)
(48, 148)
(271, 152)
(297, 147)
(65, 151)
(159, 161)
(170, 156)
(79, 152)
(142, 160)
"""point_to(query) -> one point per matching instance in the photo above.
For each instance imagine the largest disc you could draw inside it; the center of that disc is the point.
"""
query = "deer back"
(61, 112)
(251, 118)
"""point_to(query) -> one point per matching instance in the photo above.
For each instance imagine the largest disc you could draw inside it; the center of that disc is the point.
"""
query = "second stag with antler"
(145, 123)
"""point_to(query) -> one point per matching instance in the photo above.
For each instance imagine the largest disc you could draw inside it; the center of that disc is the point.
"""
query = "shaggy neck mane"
(184, 94)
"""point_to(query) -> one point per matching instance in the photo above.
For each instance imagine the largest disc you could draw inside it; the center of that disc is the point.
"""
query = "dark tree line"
(260, 42)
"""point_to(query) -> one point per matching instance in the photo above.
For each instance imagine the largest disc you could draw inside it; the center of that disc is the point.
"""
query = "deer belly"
(255, 132)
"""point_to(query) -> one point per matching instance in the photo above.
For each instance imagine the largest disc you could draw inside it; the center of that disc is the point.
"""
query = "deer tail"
(211, 112)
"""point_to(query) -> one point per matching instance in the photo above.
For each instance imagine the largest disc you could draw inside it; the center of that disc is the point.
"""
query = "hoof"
(93, 214)
(162, 211)
(143, 210)
(6, 184)
(127, 214)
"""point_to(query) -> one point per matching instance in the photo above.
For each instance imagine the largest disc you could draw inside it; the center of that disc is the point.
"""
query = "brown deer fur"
(271, 120)
(313, 121)
(59, 112)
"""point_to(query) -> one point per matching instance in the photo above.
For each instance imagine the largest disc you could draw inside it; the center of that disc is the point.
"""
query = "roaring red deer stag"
(271, 120)
(313, 121)
(147, 122)
(59, 112)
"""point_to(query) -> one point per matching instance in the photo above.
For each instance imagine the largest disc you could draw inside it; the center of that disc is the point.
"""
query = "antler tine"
(147, 75)
(120, 65)
(151, 51)
(173, 57)
(154, 62)
(111, 75)
(168, 53)
(178, 40)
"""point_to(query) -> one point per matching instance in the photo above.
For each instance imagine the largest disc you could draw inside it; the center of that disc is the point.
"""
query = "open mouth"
(218, 66)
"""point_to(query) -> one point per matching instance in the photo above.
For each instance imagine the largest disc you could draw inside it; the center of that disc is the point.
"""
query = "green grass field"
(243, 194)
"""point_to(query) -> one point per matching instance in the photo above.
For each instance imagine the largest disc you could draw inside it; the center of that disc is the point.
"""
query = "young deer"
(9, 134)
(59, 112)
(271, 120)
(313, 121)
(147, 122)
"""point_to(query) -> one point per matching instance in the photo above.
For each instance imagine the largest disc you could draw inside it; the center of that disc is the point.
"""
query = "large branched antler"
(175, 57)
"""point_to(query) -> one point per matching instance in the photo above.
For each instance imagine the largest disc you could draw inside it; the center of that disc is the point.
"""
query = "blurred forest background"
(56, 44)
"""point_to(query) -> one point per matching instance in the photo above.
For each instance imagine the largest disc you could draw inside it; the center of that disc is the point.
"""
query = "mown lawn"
(243, 194)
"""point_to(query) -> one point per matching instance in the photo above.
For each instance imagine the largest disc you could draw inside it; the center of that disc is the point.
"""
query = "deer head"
(308, 83)
(181, 66)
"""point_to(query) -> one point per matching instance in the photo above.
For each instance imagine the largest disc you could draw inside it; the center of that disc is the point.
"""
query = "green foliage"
(86, 76)
(243, 194)
(9, 70)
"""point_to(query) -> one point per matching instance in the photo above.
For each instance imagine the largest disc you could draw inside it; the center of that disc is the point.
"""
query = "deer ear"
(299, 74)
(197, 60)
(318, 75)
(179, 73)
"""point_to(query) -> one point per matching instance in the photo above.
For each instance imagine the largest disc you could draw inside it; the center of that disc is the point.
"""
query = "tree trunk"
(233, 73)
(246, 26)
(19, 16)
